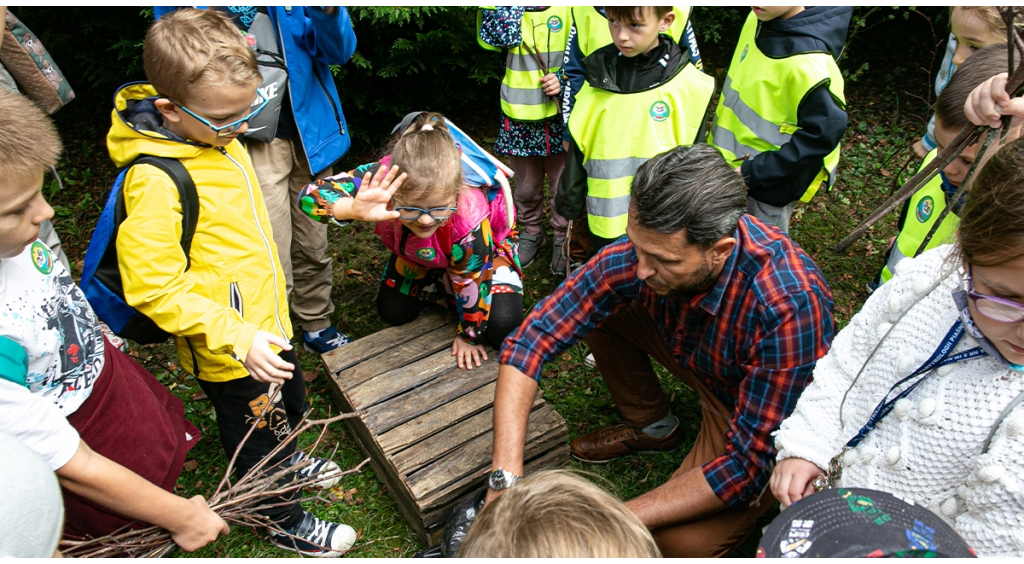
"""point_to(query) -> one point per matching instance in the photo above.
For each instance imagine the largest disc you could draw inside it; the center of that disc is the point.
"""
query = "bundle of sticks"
(968, 136)
(239, 503)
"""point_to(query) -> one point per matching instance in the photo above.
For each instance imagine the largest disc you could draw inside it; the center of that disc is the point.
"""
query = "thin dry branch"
(968, 136)
(264, 487)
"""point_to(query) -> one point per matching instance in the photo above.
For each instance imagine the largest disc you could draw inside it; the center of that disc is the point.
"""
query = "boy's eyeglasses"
(224, 130)
(996, 309)
(412, 213)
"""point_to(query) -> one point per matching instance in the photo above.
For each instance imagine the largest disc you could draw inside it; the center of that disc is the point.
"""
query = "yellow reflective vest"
(545, 33)
(757, 111)
(923, 210)
(616, 133)
(592, 31)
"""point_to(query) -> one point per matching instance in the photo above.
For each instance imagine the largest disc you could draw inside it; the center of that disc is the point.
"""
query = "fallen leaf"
(200, 395)
(190, 465)
(198, 484)
(353, 272)
(348, 496)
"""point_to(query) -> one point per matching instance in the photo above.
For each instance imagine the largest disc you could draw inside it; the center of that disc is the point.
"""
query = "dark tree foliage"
(424, 58)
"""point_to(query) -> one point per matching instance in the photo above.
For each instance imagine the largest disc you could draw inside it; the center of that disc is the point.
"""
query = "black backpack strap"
(186, 193)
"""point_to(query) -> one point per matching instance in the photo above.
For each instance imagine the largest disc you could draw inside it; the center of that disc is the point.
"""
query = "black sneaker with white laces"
(329, 470)
(315, 537)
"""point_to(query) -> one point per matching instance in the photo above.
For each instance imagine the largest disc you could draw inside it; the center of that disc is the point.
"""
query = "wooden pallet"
(426, 424)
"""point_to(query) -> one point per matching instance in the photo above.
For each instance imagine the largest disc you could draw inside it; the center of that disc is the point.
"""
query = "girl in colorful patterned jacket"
(453, 241)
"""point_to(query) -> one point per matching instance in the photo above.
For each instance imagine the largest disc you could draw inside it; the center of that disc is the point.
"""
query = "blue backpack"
(101, 275)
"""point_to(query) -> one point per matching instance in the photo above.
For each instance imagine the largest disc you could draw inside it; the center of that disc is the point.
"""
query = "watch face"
(496, 481)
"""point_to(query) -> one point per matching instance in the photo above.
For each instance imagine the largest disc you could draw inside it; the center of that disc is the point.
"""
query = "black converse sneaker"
(330, 472)
(315, 537)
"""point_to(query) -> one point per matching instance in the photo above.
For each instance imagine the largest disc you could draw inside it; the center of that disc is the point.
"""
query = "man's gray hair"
(691, 188)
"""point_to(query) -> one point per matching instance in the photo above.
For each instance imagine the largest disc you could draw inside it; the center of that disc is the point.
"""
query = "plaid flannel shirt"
(752, 339)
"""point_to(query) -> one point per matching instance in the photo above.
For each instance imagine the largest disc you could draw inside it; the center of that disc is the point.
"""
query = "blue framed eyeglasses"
(412, 213)
(992, 307)
(224, 130)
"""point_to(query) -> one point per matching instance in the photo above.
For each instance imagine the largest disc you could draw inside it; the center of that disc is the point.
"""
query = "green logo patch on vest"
(743, 55)
(554, 24)
(42, 258)
(924, 209)
(660, 111)
(426, 253)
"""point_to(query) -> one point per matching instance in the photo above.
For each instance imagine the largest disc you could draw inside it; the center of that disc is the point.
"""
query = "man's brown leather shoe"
(618, 440)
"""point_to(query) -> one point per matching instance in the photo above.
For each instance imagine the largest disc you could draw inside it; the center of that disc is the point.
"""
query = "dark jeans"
(241, 403)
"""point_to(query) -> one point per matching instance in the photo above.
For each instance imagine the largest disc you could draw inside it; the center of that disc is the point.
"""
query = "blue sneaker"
(328, 340)
(315, 537)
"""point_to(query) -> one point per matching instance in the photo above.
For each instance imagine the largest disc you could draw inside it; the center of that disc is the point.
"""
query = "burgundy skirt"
(133, 420)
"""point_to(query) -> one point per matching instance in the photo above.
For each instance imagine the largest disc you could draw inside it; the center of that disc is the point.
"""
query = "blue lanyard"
(941, 357)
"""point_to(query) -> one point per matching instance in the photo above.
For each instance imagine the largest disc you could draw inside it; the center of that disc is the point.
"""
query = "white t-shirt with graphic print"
(44, 311)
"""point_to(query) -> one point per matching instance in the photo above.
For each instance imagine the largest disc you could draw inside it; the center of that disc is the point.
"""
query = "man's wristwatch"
(501, 479)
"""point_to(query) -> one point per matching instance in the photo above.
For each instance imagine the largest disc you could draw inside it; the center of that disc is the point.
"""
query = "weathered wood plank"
(425, 424)
(381, 466)
(423, 345)
(475, 454)
(441, 390)
(382, 341)
(435, 420)
(438, 445)
(401, 379)
(436, 508)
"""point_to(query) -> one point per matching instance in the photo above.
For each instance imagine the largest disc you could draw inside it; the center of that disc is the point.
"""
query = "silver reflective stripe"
(831, 178)
(725, 139)
(895, 256)
(608, 207)
(525, 62)
(524, 96)
(610, 169)
(761, 127)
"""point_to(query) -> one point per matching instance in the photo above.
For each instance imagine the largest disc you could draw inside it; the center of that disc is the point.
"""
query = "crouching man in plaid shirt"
(726, 303)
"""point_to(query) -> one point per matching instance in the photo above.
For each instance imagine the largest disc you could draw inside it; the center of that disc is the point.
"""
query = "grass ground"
(876, 145)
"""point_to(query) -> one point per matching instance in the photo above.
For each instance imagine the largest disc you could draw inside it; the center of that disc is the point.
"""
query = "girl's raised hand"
(375, 193)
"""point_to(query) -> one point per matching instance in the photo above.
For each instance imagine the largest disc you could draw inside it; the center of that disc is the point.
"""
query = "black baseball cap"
(860, 523)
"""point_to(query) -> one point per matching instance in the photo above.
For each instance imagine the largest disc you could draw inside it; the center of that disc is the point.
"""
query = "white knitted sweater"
(929, 448)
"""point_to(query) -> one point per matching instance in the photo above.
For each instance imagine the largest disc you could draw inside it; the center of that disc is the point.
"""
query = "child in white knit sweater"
(922, 395)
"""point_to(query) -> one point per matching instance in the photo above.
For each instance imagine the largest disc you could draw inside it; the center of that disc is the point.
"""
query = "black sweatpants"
(243, 402)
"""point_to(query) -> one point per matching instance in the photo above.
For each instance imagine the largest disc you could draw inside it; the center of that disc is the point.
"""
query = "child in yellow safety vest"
(926, 208)
(782, 111)
(643, 96)
(531, 126)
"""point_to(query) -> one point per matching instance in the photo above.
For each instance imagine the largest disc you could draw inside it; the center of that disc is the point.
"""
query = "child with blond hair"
(971, 28)
(224, 302)
(116, 439)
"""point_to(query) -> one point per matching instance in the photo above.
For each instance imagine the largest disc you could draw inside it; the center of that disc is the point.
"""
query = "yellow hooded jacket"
(235, 285)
